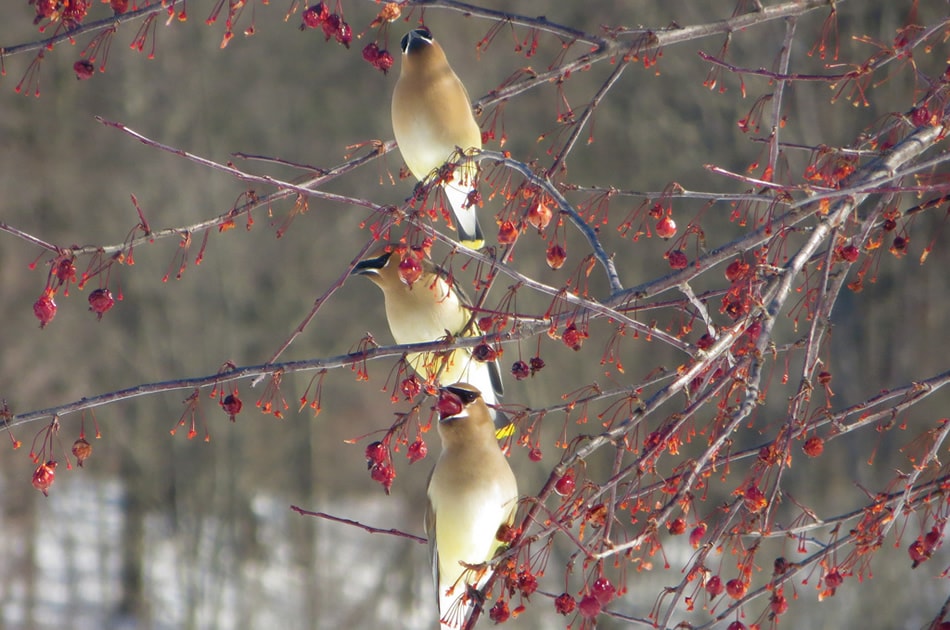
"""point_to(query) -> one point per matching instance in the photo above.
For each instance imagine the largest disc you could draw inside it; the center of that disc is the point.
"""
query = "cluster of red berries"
(62, 274)
(379, 58)
(521, 370)
(44, 308)
(924, 547)
(601, 593)
(380, 465)
(71, 12)
(333, 24)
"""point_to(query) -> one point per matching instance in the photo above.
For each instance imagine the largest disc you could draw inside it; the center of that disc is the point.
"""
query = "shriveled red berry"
(384, 62)
(564, 604)
(573, 337)
(371, 52)
(119, 6)
(755, 499)
(74, 11)
(565, 485)
(331, 25)
(714, 586)
(384, 475)
(314, 16)
(100, 301)
(677, 259)
(589, 607)
(539, 215)
(737, 625)
(833, 579)
(535, 454)
(696, 536)
(410, 270)
(66, 270)
(410, 387)
(527, 583)
(232, 405)
(499, 613)
(737, 270)
(933, 539)
(449, 404)
(920, 116)
(44, 308)
(344, 34)
(666, 227)
(848, 253)
(813, 446)
(677, 526)
(899, 246)
(507, 233)
(83, 69)
(537, 363)
(780, 566)
(520, 370)
(918, 552)
(778, 604)
(603, 590)
(417, 450)
(736, 588)
(376, 453)
(484, 352)
(555, 256)
(44, 476)
(44, 9)
(81, 450)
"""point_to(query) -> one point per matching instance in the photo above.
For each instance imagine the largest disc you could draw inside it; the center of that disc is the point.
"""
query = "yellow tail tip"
(474, 244)
(505, 432)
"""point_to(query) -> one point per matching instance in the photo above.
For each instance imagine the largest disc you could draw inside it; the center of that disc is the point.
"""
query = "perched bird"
(427, 308)
(432, 119)
(472, 492)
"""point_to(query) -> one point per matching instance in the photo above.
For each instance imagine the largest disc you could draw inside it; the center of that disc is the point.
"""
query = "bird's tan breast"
(424, 312)
(472, 493)
(431, 116)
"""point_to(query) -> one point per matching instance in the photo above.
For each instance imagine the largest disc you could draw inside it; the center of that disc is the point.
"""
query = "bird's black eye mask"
(416, 39)
(372, 265)
(467, 396)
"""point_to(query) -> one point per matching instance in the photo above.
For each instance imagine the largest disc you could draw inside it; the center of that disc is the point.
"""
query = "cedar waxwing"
(432, 118)
(472, 492)
(426, 310)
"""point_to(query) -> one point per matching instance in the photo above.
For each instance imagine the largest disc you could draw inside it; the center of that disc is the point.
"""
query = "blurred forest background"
(157, 531)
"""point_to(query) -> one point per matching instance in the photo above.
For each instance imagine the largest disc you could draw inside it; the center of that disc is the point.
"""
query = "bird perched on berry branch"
(472, 494)
(424, 304)
(433, 121)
